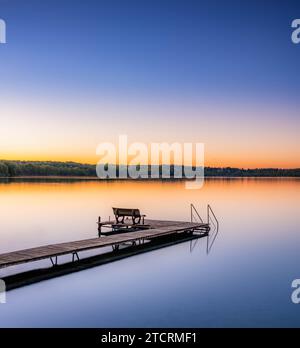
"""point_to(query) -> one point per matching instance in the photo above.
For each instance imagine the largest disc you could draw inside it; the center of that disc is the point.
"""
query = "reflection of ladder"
(211, 217)
(212, 222)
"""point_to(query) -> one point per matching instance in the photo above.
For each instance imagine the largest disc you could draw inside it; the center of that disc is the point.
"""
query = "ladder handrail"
(210, 212)
(209, 209)
(194, 209)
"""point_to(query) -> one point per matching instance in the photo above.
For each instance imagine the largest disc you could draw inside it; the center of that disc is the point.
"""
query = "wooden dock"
(155, 229)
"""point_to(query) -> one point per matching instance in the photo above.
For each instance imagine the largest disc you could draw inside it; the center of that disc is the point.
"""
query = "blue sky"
(146, 52)
(214, 48)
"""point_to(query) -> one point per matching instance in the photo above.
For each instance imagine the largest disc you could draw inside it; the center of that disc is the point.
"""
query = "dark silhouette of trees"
(65, 169)
(26, 168)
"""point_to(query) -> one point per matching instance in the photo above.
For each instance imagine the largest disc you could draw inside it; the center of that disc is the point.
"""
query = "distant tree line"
(71, 169)
(27, 168)
(263, 172)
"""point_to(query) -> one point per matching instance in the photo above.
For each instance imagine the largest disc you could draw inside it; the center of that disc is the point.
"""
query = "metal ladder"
(211, 217)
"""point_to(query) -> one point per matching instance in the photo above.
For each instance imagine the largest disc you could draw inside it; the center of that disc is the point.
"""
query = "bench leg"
(136, 220)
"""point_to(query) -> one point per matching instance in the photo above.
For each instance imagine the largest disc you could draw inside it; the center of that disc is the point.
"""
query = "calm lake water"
(245, 279)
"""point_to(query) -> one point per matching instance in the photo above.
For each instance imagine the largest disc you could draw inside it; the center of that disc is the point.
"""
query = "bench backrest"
(126, 212)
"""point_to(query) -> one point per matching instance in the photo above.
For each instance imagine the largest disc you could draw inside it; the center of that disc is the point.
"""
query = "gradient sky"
(76, 73)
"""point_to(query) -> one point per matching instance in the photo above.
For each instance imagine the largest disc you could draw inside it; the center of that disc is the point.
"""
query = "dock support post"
(54, 263)
(99, 226)
(115, 247)
(73, 256)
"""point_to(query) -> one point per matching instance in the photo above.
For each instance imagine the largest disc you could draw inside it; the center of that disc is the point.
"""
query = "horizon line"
(95, 164)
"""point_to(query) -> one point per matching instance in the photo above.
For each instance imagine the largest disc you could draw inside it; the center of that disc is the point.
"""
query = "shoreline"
(91, 178)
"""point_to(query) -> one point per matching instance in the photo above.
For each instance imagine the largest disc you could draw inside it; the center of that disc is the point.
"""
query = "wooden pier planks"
(158, 228)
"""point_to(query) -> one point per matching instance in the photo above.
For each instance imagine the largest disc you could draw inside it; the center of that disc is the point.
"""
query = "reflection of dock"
(157, 229)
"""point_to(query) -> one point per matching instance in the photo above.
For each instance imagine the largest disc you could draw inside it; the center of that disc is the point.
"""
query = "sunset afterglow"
(63, 94)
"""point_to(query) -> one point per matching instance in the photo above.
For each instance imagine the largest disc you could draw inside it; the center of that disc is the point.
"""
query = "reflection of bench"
(134, 214)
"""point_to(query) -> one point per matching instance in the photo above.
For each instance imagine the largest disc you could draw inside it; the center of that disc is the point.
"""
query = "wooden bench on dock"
(134, 214)
(126, 220)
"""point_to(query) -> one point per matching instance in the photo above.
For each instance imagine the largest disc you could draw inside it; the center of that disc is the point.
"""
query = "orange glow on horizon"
(242, 136)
